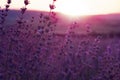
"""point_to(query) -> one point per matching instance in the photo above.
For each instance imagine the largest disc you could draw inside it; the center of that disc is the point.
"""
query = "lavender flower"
(8, 1)
(52, 6)
(23, 10)
(26, 2)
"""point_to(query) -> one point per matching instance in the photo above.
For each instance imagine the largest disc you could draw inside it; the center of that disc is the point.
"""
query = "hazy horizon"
(98, 23)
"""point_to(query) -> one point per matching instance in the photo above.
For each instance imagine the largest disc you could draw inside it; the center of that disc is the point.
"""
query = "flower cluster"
(30, 51)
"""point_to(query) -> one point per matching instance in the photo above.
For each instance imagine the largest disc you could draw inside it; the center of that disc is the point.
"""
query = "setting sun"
(87, 7)
(74, 8)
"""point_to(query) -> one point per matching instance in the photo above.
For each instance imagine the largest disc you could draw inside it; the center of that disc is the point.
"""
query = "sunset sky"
(75, 7)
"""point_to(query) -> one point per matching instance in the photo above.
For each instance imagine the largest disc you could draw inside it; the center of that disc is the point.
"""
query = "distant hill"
(98, 23)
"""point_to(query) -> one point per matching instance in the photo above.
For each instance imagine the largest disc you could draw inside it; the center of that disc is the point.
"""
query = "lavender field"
(31, 49)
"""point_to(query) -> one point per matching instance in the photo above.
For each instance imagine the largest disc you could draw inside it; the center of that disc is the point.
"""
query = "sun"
(74, 8)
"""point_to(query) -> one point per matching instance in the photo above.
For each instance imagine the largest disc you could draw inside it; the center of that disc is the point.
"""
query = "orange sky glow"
(71, 7)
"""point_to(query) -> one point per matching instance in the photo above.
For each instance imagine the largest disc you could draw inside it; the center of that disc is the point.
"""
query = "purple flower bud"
(52, 6)
(54, 0)
(8, 1)
(7, 6)
(26, 2)
(23, 10)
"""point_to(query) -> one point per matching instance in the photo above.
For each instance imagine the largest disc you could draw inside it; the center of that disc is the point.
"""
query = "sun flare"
(74, 8)
(87, 7)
